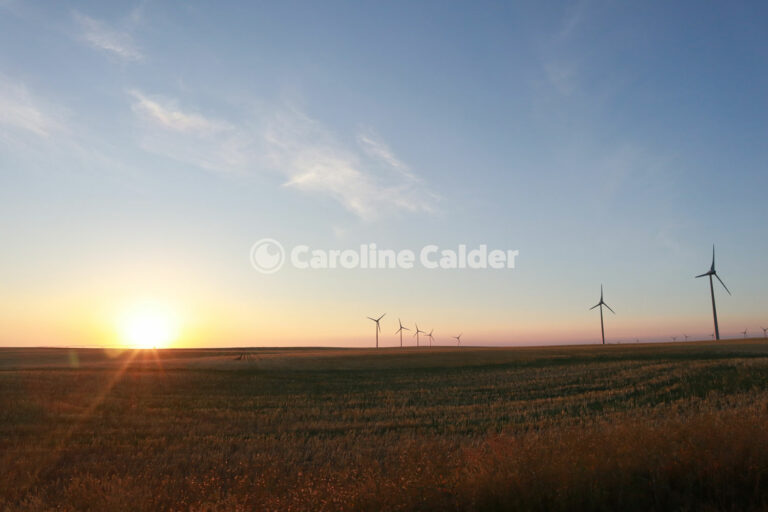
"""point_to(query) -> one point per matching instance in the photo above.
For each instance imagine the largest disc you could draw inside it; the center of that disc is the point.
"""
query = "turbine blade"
(371, 319)
(404, 328)
(713, 258)
(722, 283)
(609, 307)
(382, 316)
(705, 274)
(593, 307)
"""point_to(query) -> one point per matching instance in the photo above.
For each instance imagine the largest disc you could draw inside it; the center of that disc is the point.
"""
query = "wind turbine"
(400, 331)
(601, 304)
(765, 332)
(417, 334)
(713, 272)
(744, 332)
(378, 327)
(458, 339)
(674, 338)
(431, 338)
(686, 337)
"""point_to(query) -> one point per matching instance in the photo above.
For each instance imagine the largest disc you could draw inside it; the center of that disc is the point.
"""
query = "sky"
(146, 147)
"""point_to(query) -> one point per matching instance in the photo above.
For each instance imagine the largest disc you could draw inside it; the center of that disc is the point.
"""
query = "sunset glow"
(148, 325)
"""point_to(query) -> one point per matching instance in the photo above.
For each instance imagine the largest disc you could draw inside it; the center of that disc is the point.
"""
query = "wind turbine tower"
(400, 331)
(710, 273)
(418, 331)
(601, 304)
(378, 327)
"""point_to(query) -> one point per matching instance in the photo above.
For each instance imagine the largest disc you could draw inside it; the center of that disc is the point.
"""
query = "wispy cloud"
(168, 115)
(369, 181)
(47, 135)
(184, 135)
(21, 110)
(561, 65)
(366, 178)
(103, 37)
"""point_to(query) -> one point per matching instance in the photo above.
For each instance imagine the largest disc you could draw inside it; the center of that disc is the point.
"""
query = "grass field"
(644, 427)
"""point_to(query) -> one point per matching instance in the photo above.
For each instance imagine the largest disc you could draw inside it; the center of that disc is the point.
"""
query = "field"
(644, 427)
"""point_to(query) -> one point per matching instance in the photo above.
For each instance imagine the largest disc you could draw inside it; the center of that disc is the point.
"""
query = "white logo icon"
(267, 256)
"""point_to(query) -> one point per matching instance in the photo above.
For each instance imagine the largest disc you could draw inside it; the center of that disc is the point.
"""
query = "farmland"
(641, 427)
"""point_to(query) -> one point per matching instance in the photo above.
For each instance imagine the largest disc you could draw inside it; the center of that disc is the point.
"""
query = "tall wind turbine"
(686, 337)
(744, 332)
(417, 334)
(400, 331)
(601, 304)
(765, 332)
(458, 339)
(378, 327)
(431, 338)
(713, 272)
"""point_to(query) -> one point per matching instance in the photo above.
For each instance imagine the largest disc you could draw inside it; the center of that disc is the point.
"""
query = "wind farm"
(711, 273)
(206, 208)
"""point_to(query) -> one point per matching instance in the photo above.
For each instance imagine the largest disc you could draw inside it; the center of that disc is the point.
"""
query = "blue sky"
(144, 147)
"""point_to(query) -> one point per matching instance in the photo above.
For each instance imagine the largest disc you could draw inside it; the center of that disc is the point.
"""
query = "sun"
(148, 325)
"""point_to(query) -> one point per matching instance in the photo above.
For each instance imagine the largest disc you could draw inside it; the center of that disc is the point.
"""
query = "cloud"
(377, 148)
(169, 116)
(100, 36)
(166, 129)
(366, 178)
(370, 183)
(561, 64)
(20, 110)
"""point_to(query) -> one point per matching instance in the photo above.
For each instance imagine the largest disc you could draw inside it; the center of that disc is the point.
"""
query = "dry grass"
(677, 427)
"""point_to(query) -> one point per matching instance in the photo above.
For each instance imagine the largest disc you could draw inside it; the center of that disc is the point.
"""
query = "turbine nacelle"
(602, 302)
(402, 327)
(377, 320)
(713, 272)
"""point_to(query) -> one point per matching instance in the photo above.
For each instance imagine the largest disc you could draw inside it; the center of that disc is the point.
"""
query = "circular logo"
(267, 256)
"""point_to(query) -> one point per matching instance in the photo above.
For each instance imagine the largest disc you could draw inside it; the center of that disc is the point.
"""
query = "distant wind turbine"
(418, 331)
(378, 327)
(686, 337)
(431, 338)
(744, 332)
(400, 331)
(458, 339)
(601, 304)
(765, 332)
(674, 338)
(710, 273)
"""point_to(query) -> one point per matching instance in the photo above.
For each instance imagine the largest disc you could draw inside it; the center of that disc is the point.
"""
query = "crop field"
(641, 427)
